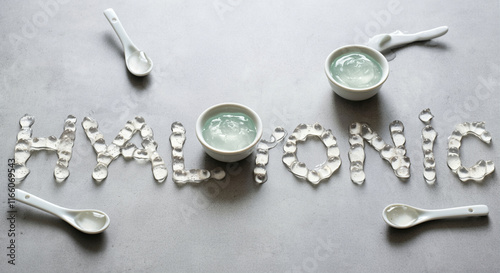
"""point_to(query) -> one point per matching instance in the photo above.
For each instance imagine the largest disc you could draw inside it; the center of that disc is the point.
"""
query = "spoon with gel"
(138, 63)
(384, 42)
(405, 216)
(88, 221)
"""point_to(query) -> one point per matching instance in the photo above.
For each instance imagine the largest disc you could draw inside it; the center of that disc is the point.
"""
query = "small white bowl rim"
(256, 119)
(385, 72)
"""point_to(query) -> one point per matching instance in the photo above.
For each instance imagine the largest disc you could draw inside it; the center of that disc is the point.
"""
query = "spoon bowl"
(138, 63)
(405, 216)
(88, 221)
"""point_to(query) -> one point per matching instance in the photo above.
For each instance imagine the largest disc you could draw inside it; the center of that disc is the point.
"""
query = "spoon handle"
(397, 39)
(37, 202)
(127, 44)
(430, 34)
(476, 210)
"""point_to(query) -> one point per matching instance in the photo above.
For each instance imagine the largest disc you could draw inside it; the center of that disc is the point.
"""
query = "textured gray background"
(268, 55)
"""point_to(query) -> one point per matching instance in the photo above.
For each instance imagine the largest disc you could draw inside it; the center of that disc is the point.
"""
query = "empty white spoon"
(384, 42)
(138, 63)
(405, 216)
(88, 221)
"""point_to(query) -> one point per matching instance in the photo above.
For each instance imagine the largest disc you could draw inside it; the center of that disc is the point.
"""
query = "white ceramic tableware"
(405, 216)
(350, 93)
(138, 63)
(384, 42)
(224, 155)
(88, 221)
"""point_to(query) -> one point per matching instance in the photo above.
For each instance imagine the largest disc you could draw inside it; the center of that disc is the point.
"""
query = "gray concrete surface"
(62, 57)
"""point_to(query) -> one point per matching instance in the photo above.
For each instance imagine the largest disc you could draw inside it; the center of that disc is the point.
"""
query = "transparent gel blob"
(262, 156)
(395, 155)
(90, 220)
(180, 174)
(356, 70)
(483, 167)
(25, 145)
(299, 169)
(229, 131)
(120, 146)
(402, 215)
(428, 137)
(426, 116)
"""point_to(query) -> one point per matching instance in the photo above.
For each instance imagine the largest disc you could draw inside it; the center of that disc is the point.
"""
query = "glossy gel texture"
(229, 131)
(402, 215)
(91, 220)
(262, 157)
(26, 145)
(483, 167)
(356, 70)
(428, 137)
(181, 175)
(426, 116)
(324, 170)
(121, 146)
(395, 155)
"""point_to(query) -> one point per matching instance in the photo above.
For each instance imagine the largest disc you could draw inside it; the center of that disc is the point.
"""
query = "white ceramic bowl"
(356, 93)
(223, 155)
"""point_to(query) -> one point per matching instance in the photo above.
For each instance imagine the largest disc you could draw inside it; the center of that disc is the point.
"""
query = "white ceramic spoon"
(89, 221)
(405, 216)
(138, 63)
(384, 42)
